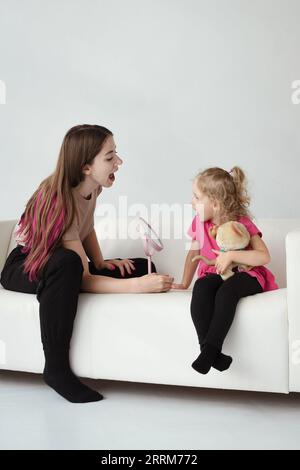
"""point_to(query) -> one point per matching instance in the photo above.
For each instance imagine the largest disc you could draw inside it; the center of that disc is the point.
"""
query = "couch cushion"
(151, 338)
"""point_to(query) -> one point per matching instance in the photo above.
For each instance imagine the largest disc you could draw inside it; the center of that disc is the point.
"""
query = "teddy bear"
(229, 236)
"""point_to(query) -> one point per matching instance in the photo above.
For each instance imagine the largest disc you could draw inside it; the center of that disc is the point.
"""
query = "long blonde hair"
(51, 209)
(228, 189)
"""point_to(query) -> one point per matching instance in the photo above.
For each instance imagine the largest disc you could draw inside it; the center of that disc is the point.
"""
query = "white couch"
(151, 338)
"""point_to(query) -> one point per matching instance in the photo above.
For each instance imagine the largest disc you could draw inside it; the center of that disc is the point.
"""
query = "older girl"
(55, 236)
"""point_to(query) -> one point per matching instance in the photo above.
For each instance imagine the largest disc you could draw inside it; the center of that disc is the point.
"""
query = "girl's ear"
(216, 206)
(86, 169)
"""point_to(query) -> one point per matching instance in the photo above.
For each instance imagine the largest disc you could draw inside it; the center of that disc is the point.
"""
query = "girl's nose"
(120, 161)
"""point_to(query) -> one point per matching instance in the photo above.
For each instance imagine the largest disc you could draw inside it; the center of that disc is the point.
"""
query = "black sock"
(222, 362)
(59, 376)
(206, 358)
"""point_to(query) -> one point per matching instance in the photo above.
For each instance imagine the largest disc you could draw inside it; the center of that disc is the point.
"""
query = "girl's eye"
(109, 159)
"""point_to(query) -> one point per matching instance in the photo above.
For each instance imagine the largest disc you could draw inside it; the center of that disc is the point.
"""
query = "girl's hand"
(179, 286)
(154, 283)
(223, 261)
(123, 264)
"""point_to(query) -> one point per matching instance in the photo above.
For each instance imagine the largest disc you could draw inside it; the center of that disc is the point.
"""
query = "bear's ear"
(237, 229)
(213, 231)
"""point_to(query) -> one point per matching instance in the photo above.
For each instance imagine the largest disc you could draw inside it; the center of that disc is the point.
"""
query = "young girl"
(55, 236)
(218, 197)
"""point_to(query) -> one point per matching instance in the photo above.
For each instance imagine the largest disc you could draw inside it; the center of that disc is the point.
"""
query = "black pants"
(58, 290)
(214, 302)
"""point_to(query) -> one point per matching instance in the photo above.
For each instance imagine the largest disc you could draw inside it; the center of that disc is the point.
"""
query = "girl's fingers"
(127, 266)
(122, 270)
(129, 262)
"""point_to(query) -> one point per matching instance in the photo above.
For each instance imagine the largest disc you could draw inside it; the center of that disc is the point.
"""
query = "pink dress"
(200, 231)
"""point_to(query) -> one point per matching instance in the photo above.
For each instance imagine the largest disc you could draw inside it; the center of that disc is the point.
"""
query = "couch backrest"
(274, 232)
(171, 259)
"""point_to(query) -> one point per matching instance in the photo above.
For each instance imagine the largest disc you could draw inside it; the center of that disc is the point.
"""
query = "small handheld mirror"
(151, 241)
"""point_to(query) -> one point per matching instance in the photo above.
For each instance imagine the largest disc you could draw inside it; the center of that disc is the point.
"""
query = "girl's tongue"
(112, 177)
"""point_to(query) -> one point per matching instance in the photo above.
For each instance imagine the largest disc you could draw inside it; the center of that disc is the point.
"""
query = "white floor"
(144, 416)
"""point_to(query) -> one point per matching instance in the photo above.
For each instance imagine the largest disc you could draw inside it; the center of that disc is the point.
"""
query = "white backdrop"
(183, 84)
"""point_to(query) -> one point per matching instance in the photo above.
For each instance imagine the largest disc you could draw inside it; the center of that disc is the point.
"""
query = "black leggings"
(214, 304)
(58, 289)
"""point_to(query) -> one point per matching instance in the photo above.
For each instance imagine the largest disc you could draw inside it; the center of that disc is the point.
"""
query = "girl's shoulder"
(195, 229)
(250, 225)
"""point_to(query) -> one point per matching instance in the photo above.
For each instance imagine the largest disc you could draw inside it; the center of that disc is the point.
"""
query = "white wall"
(183, 84)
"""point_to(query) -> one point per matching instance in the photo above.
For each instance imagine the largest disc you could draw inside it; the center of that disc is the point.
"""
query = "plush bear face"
(232, 236)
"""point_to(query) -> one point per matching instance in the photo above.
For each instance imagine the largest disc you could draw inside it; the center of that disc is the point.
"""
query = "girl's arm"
(92, 248)
(258, 256)
(189, 268)
(104, 284)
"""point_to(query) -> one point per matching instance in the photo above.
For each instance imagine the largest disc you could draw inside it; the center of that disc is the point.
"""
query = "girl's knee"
(65, 259)
(238, 286)
(202, 285)
(71, 257)
(228, 292)
(65, 265)
(141, 265)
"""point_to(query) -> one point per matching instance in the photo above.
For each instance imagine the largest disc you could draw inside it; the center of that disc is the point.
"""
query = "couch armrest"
(293, 300)
(6, 228)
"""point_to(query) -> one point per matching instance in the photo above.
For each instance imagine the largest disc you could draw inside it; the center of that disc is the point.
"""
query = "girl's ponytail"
(240, 182)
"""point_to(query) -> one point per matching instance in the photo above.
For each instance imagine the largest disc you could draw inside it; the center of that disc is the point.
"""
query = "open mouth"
(112, 177)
